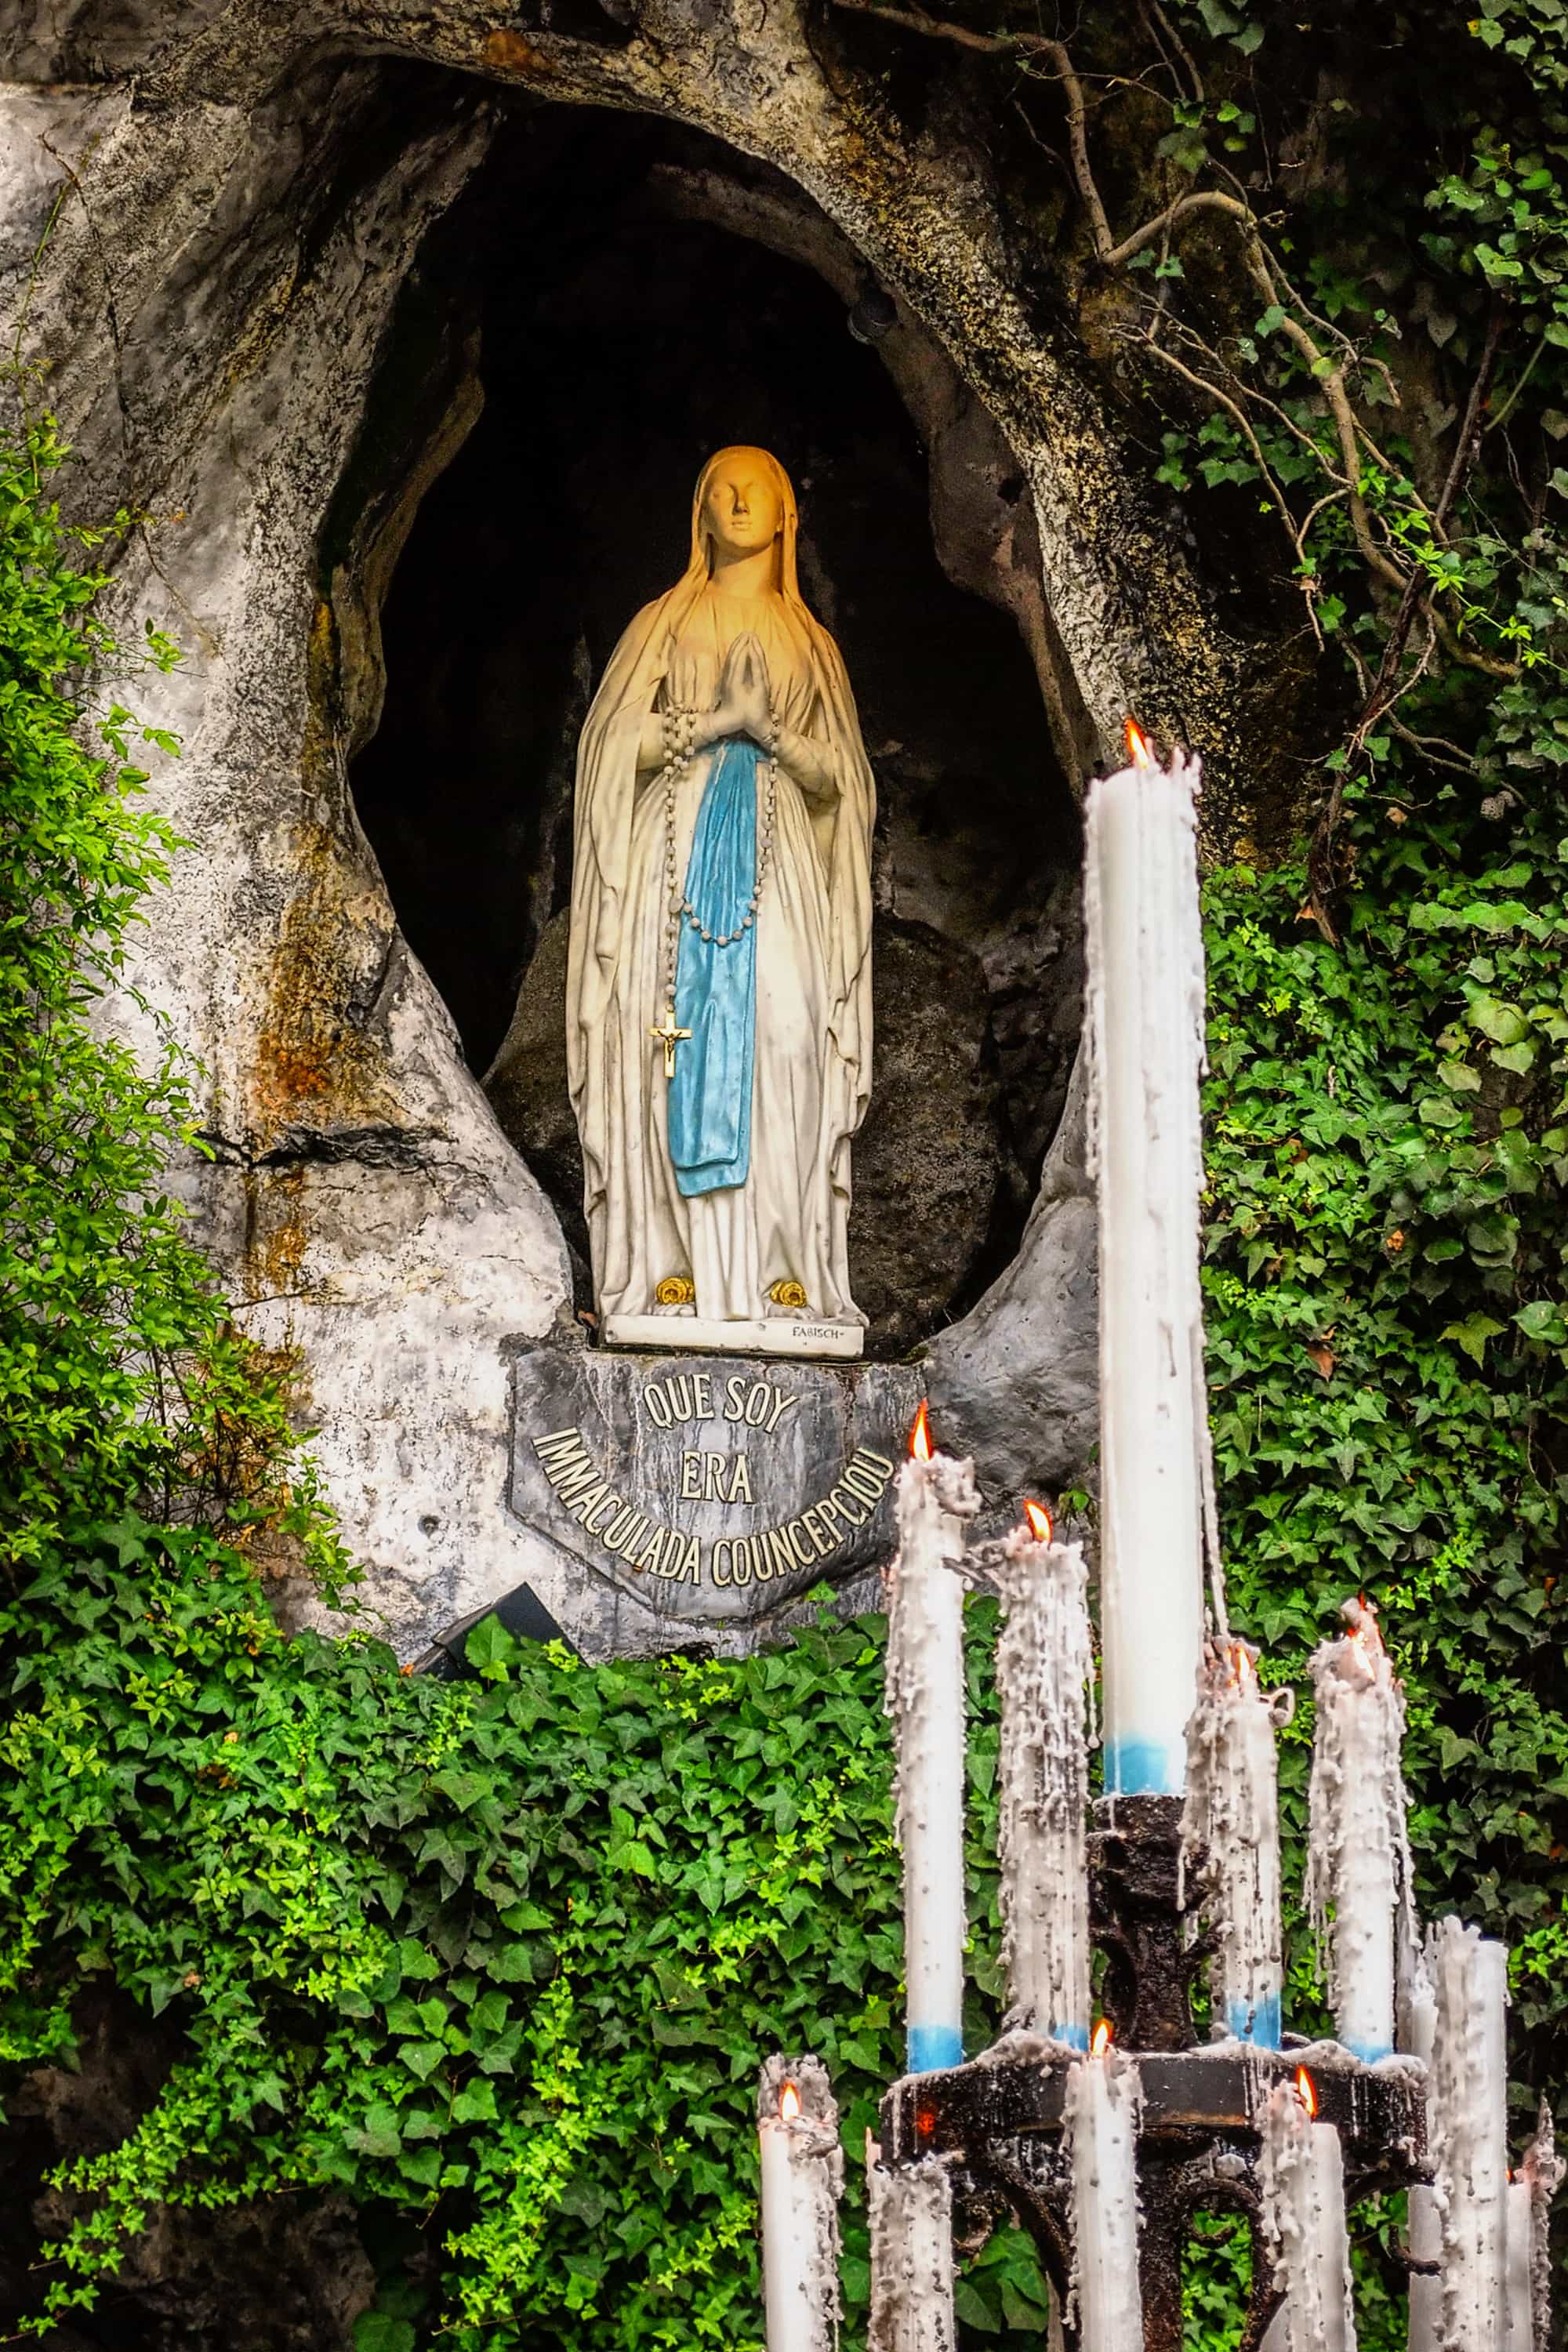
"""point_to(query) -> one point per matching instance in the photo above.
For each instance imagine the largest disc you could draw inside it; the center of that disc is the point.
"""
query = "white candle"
(1519, 2292)
(1424, 2230)
(802, 2179)
(1358, 1860)
(1302, 2175)
(1101, 2110)
(1542, 2169)
(1145, 1019)
(911, 2255)
(1470, 2104)
(1043, 1666)
(1232, 1811)
(925, 1699)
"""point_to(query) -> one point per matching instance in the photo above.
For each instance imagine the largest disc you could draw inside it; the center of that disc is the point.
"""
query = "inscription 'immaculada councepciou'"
(803, 1544)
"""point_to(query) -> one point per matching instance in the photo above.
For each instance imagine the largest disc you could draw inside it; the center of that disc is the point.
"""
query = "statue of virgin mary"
(718, 981)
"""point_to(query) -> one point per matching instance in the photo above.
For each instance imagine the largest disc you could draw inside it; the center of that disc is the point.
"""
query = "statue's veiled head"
(743, 504)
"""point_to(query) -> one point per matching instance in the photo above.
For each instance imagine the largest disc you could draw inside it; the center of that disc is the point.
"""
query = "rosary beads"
(679, 744)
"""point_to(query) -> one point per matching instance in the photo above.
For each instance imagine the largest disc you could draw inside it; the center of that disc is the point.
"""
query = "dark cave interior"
(616, 343)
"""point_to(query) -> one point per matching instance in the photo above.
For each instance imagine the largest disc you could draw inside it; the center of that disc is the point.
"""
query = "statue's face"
(742, 510)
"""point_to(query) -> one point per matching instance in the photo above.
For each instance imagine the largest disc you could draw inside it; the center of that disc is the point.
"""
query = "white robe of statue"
(786, 1224)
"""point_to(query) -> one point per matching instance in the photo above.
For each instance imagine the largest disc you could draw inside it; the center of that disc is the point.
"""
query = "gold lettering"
(585, 1500)
(631, 1541)
(690, 1569)
(734, 1398)
(723, 1545)
(827, 1511)
(691, 1477)
(813, 1529)
(701, 1395)
(862, 1481)
(652, 1554)
(782, 1402)
(847, 1509)
(780, 1550)
(740, 1481)
(573, 1479)
(595, 1518)
(657, 1405)
(757, 1404)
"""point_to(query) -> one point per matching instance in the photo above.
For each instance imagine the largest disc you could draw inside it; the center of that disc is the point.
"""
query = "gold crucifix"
(668, 1036)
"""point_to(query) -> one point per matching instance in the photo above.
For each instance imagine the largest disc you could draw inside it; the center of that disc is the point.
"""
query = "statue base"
(763, 1335)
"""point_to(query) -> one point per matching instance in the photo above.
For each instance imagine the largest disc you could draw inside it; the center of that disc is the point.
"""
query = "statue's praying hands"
(742, 708)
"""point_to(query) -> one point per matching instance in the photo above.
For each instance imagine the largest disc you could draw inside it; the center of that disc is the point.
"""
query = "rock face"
(1016, 1381)
(934, 1171)
(223, 232)
(288, 2273)
(526, 1087)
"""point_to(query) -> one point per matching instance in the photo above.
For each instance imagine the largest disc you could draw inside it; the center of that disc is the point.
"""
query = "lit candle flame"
(1040, 1521)
(1361, 1617)
(919, 1435)
(1101, 2041)
(789, 2103)
(1305, 2092)
(1243, 1672)
(1138, 746)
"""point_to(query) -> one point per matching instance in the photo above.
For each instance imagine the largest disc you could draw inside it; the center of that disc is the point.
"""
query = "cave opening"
(587, 342)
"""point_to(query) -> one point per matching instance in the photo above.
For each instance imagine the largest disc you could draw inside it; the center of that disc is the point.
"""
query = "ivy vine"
(497, 1960)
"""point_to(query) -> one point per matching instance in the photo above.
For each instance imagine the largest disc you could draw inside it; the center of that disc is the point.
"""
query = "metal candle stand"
(999, 2116)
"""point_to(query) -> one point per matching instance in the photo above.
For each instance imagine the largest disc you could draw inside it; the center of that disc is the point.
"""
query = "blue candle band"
(933, 2048)
(1369, 2052)
(1075, 2036)
(1255, 2022)
(1145, 1768)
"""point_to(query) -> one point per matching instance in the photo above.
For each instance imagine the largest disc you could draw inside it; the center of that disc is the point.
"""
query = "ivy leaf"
(490, 1650)
(512, 1964)
(475, 2103)
(1543, 1320)
(375, 2332)
(970, 2305)
(1492, 1239)
(378, 2136)
(1504, 1023)
(465, 1789)
(1473, 1333)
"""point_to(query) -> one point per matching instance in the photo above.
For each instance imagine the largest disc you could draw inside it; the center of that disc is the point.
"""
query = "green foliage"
(500, 1959)
(119, 1375)
(505, 1954)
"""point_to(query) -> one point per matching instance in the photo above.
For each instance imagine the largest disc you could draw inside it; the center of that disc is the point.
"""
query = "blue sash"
(710, 1097)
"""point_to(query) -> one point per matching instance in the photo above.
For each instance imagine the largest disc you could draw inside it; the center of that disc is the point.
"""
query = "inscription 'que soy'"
(690, 1396)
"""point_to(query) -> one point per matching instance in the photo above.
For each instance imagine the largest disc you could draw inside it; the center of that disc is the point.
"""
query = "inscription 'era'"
(802, 1544)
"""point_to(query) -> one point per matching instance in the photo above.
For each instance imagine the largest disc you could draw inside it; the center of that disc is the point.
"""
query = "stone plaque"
(714, 1488)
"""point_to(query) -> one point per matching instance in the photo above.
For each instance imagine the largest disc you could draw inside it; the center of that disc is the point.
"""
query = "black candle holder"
(998, 2119)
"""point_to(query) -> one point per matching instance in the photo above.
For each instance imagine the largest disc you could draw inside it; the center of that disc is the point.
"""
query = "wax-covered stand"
(1107, 2152)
